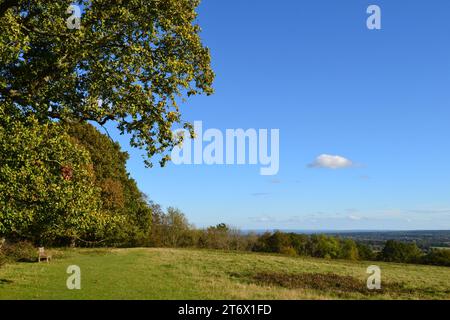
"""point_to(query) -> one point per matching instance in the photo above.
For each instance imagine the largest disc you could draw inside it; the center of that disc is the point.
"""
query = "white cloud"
(263, 219)
(331, 162)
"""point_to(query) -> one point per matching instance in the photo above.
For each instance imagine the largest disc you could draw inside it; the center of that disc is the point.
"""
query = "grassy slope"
(199, 274)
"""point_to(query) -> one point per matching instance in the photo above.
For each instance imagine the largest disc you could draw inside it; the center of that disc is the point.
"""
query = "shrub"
(438, 257)
(289, 251)
(395, 251)
(300, 243)
(23, 251)
(277, 241)
(365, 252)
(322, 246)
(349, 250)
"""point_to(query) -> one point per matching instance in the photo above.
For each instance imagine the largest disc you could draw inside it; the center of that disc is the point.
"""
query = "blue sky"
(312, 69)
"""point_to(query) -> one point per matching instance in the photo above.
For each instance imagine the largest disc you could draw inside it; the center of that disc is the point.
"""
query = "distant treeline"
(172, 229)
(424, 239)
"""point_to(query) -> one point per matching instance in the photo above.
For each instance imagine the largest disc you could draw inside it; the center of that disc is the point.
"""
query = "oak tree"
(130, 62)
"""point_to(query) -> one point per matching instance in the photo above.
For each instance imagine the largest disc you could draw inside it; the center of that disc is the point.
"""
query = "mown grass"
(208, 274)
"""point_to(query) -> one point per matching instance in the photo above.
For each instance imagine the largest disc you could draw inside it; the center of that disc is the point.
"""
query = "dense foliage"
(395, 251)
(127, 62)
(438, 257)
(320, 246)
(22, 251)
(120, 195)
(130, 62)
(47, 188)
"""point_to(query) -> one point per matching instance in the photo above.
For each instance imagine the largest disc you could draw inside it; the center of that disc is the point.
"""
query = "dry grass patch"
(330, 282)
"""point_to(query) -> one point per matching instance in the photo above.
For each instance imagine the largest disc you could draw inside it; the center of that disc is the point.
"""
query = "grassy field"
(205, 274)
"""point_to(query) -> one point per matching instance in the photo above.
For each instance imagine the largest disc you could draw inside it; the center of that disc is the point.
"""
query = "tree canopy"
(395, 251)
(47, 184)
(131, 62)
(120, 195)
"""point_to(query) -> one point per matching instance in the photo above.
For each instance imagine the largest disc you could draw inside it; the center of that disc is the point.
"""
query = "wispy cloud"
(260, 194)
(275, 181)
(431, 211)
(352, 218)
(263, 219)
(331, 162)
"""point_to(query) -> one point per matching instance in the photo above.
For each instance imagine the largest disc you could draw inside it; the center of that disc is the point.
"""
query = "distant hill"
(425, 239)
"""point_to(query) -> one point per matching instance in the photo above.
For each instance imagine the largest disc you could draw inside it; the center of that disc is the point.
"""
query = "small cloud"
(431, 211)
(263, 219)
(354, 217)
(275, 181)
(331, 162)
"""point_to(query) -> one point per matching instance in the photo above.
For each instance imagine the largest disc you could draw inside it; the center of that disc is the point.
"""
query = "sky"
(363, 117)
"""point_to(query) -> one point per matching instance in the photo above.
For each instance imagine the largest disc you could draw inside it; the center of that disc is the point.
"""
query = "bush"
(395, 251)
(322, 246)
(349, 250)
(289, 251)
(276, 242)
(23, 251)
(365, 252)
(438, 257)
